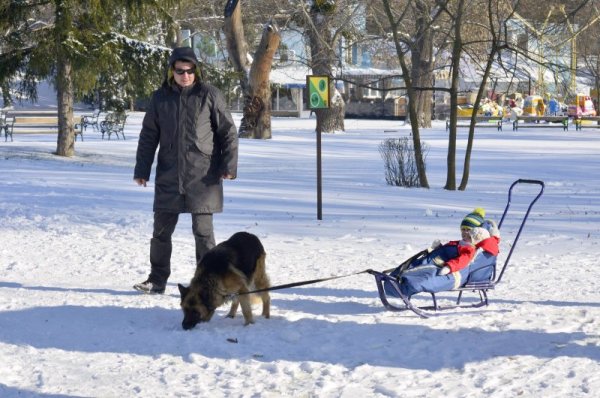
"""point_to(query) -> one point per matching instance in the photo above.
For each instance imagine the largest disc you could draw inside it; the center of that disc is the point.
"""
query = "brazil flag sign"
(318, 91)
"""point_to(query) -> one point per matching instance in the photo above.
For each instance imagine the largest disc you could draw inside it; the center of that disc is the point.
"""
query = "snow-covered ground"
(74, 238)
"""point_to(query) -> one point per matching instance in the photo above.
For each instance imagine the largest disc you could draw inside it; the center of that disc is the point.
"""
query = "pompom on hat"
(473, 219)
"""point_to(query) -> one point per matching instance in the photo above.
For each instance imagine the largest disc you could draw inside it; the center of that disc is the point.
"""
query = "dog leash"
(308, 282)
(312, 281)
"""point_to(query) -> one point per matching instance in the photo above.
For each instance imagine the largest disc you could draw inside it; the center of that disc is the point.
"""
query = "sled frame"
(480, 287)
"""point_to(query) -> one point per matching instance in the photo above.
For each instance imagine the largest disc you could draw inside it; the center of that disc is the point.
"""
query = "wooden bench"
(580, 122)
(534, 122)
(33, 122)
(480, 121)
(114, 124)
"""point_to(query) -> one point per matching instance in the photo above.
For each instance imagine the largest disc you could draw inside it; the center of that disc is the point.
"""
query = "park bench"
(91, 120)
(480, 121)
(541, 121)
(114, 124)
(32, 122)
(583, 122)
(4, 126)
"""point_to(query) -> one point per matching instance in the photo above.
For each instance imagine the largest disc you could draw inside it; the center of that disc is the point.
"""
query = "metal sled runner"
(390, 284)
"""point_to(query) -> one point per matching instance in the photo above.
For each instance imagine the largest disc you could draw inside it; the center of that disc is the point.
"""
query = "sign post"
(318, 98)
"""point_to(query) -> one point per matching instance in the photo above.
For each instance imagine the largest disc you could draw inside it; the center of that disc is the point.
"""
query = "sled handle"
(535, 199)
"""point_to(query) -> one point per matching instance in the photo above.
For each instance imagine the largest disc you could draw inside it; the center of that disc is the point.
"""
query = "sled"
(479, 277)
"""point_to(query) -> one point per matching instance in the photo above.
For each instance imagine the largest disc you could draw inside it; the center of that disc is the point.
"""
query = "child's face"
(465, 234)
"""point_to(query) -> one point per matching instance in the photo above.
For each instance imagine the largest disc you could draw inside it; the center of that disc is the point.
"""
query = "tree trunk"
(65, 145)
(64, 91)
(254, 79)
(6, 99)
(322, 60)
(256, 122)
(236, 46)
(412, 111)
(422, 64)
(488, 67)
(457, 47)
(467, 162)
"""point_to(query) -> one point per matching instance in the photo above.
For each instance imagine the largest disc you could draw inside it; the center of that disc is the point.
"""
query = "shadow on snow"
(156, 331)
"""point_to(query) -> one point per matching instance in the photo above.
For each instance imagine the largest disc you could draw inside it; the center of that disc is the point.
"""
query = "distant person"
(189, 123)
(515, 112)
(540, 108)
(553, 107)
(520, 102)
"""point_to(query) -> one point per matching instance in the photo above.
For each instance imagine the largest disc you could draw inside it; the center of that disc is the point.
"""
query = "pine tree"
(83, 47)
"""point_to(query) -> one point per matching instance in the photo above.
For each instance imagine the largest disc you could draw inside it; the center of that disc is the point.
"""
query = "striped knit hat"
(474, 219)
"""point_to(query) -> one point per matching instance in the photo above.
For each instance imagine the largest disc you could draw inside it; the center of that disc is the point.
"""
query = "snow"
(74, 238)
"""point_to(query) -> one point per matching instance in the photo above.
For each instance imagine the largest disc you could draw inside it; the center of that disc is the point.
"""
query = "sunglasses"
(182, 71)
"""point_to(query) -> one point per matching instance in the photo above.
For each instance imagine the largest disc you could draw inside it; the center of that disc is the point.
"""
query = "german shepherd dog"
(233, 267)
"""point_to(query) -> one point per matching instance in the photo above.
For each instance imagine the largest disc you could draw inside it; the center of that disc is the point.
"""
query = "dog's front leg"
(246, 309)
(234, 306)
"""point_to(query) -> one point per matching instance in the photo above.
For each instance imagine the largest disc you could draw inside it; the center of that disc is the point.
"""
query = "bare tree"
(495, 30)
(254, 76)
(422, 60)
(398, 17)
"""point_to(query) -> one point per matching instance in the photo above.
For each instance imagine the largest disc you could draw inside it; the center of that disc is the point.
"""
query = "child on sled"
(444, 267)
(476, 233)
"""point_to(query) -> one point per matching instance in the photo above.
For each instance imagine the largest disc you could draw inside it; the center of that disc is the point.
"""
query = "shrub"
(399, 161)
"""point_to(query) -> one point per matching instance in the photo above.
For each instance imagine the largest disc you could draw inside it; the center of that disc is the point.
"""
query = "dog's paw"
(248, 322)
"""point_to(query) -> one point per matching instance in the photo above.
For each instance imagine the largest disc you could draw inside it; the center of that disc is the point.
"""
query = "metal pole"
(319, 181)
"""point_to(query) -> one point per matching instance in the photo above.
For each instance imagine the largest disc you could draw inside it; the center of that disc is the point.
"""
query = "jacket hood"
(183, 54)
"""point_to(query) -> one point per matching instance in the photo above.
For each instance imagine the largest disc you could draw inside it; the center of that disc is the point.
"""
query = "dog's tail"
(261, 279)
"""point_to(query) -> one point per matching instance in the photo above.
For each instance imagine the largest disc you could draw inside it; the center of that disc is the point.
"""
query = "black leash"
(403, 266)
(288, 285)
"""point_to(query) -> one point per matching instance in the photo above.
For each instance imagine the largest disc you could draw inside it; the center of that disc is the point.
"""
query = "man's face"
(183, 73)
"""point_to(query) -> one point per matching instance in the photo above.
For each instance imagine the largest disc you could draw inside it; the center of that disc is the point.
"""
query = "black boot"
(149, 287)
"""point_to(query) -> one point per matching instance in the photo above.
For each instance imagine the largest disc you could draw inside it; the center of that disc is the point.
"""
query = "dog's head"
(195, 308)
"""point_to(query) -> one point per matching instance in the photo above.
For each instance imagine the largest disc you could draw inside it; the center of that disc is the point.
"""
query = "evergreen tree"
(83, 47)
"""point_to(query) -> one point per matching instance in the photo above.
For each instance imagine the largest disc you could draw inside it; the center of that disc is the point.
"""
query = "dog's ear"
(183, 291)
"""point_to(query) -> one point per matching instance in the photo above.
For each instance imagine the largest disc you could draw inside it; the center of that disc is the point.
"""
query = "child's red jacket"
(466, 252)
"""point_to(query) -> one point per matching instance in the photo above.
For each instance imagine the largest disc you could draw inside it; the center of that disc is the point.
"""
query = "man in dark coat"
(189, 123)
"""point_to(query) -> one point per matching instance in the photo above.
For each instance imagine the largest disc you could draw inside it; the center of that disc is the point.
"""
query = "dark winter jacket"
(197, 142)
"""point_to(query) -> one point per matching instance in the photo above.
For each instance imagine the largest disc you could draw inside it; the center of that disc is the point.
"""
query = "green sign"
(318, 92)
